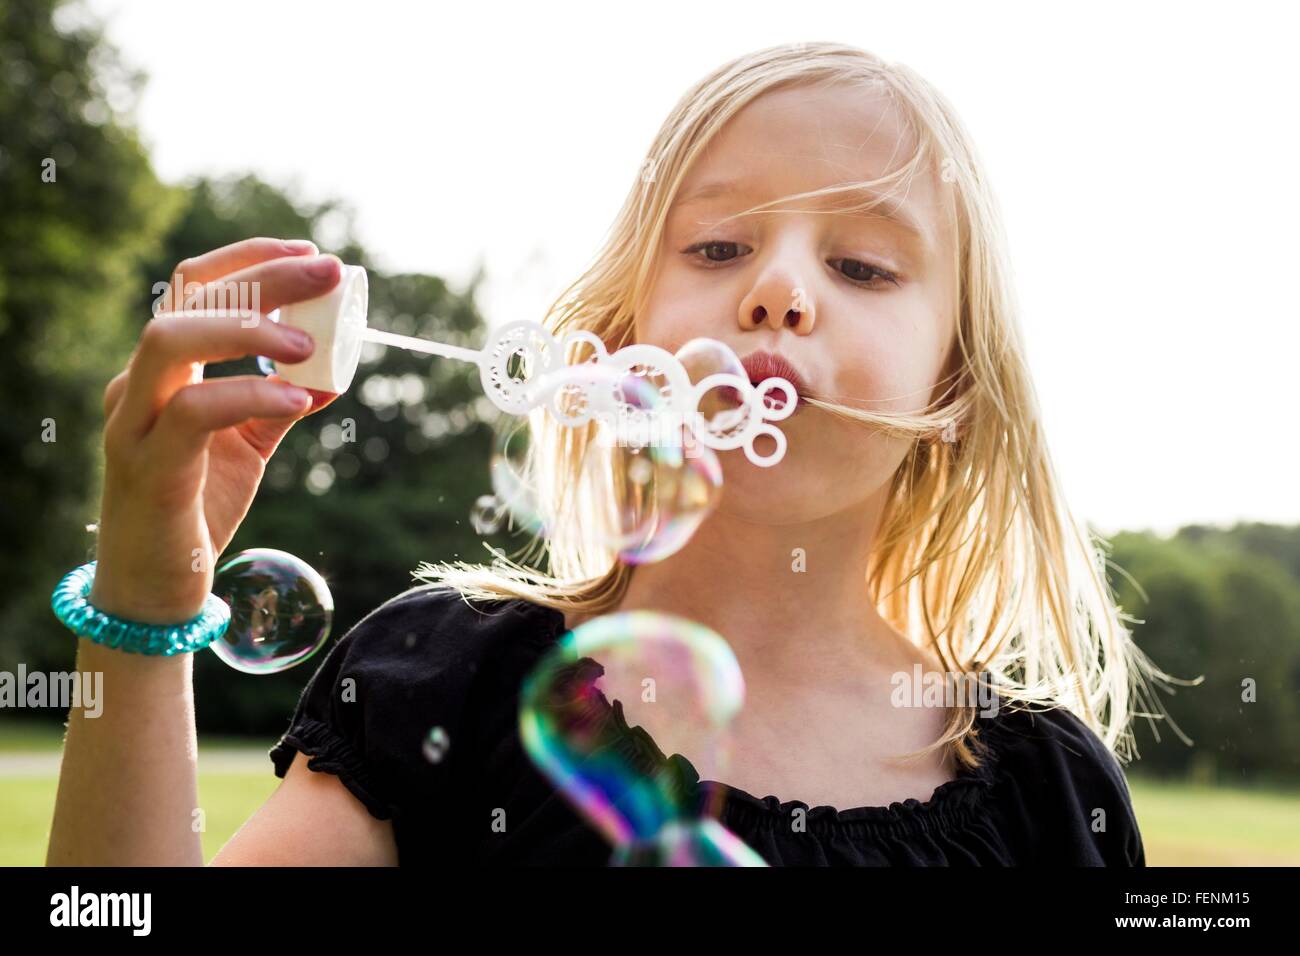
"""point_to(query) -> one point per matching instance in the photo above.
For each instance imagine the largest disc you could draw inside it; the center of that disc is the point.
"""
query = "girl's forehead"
(800, 139)
(804, 139)
(844, 132)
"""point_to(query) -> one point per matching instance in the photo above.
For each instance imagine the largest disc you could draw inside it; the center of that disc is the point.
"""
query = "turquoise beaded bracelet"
(83, 619)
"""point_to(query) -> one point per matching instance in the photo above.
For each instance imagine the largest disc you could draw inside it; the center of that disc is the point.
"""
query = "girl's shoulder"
(431, 642)
(421, 689)
(438, 626)
(1067, 781)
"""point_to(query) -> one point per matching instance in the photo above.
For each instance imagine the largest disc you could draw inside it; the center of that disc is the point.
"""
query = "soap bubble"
(731, 412)
(516, 496)
(643, 486)
(582, 405)
(653, 498)
(486, 515)
(699, 843)
(654, 484)
(722, 408)
(673, 683)
(436, 743)
(280, 611)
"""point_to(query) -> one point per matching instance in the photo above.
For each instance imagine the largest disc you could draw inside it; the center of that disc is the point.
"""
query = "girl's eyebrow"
(713, 190)
(888, 208)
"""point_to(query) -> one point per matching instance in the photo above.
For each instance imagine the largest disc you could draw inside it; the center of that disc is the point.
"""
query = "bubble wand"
(524, 367)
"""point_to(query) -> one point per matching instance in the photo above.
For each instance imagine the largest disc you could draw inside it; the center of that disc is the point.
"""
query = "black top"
(1048, 791)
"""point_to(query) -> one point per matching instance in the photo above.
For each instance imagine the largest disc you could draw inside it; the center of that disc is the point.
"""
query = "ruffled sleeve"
(395, 709)
(1069, 792)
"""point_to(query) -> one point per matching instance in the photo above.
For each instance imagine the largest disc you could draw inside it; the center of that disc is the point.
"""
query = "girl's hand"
(184, 457)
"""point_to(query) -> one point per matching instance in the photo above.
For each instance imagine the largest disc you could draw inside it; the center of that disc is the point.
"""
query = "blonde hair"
(977, 557)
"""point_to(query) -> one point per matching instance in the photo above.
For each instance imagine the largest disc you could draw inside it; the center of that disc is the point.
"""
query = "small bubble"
(486, 515)
(436, 744)
(280, 611)
(640, 471)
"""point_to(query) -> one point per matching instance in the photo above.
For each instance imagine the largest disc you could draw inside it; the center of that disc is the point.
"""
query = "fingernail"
(299, 245)
(295, 398)
(298, 338)
(321, 268)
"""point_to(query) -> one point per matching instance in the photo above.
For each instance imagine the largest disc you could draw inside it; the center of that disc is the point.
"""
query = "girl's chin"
(752, 487)
(736, 464)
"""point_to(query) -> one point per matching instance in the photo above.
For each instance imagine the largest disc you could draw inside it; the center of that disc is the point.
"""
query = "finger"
(196, 411)
(199, 270)
(319, 399)
(266, 286)
(114, 391)
(265, 434)
(173, 346)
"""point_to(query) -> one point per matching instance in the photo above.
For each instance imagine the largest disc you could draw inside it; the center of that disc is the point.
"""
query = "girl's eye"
(863, 272)
(856, 271)
(715, 250)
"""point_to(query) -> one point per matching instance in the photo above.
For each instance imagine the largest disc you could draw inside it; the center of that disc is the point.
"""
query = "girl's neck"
(790, 599)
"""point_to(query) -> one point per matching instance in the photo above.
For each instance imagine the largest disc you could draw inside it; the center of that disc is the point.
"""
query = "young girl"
(809, 201)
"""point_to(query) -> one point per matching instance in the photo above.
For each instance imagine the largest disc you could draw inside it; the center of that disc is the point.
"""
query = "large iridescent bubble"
(280, 611)
(674, 684)
(703, 842)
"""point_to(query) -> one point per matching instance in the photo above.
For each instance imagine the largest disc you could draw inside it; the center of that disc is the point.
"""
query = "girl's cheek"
(672, 328)
(882, 379)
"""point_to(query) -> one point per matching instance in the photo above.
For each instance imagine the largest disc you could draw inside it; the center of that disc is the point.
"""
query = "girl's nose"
(780, 305)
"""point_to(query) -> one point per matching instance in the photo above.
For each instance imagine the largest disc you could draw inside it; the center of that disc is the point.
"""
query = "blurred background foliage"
(79, 256)
(1222, 604)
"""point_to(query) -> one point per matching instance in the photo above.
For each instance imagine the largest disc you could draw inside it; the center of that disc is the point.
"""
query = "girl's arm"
(311, 820)
(128, 789)
(183, 461)
(127, 786)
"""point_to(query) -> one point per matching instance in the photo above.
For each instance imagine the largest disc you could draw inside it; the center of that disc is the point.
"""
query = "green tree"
(1214, 604)
(81, 209)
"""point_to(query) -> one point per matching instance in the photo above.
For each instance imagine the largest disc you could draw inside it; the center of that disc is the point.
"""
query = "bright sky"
(1144, 155)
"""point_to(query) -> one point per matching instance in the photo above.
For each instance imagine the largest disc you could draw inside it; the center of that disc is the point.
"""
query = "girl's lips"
(731, 398)
(764, 365)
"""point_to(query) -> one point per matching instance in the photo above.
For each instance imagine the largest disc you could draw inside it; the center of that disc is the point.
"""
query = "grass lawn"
(228, 796)
(1186, 824)
(1182, 824)
(27, 806)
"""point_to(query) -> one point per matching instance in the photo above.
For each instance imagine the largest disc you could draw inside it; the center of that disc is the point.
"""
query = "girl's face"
(874, 290)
